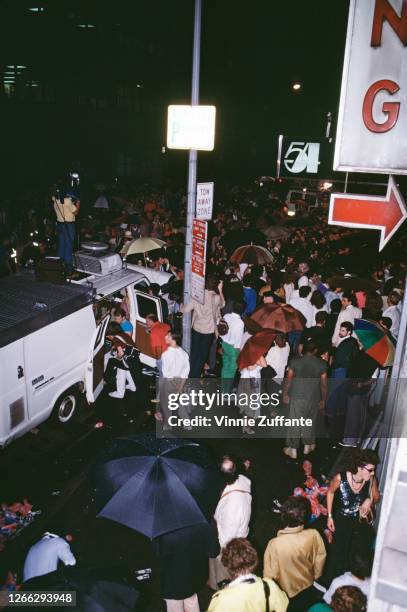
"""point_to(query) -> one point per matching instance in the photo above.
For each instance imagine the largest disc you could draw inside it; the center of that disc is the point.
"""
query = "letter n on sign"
(372, 121)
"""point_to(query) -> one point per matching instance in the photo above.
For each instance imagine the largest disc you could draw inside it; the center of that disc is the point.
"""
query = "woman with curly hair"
(345, 599)
(352, 495)
(246, 592)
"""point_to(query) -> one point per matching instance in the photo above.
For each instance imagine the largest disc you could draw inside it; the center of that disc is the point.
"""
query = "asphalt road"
(49, 468)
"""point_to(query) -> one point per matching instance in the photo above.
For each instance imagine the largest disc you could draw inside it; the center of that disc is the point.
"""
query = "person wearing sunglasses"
(351, 497)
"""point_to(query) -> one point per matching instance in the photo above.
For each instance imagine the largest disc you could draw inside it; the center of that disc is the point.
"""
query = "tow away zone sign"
(204, 201)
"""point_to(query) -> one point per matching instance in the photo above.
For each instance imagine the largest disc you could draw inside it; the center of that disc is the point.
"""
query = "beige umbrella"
(141, 245)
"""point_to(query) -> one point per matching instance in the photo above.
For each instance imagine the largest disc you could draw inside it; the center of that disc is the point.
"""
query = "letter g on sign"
(391, 109)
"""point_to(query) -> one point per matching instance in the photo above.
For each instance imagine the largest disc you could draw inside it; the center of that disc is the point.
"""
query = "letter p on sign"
(175, 128)
(191, 127)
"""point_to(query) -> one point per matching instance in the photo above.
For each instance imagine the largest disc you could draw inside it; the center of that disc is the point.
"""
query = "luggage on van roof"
(27, 305)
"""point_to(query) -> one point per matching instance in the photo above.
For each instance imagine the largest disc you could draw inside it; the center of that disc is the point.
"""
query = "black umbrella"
(156, 486)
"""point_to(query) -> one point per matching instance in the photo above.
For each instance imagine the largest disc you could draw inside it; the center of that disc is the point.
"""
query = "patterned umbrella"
(252, 254)
(255, 347)
(376, 341)
(279, 317)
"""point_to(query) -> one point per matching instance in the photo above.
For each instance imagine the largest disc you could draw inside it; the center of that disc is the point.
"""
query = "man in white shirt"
(232, 514)
(175, 371)
(303, 304)
(44, 556)
(349, 313)
(393, 312)
(231, 343)
(174, 361)
(277, 356)
(359, 576)
(234, 508)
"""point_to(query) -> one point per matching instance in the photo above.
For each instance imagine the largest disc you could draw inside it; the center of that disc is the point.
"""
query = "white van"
(52, 341)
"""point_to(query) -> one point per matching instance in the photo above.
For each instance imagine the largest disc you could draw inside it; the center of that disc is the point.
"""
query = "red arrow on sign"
(370, 212)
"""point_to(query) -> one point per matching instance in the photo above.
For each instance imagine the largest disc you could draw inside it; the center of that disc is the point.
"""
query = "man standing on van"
(66, 207)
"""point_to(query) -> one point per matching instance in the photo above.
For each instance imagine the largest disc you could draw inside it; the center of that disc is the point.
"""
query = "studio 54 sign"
(300, 157)
(372, 121)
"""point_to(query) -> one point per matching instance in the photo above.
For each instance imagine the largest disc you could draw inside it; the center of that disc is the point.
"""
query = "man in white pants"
(124, 379)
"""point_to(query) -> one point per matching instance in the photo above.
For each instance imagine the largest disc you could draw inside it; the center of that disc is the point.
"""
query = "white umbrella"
(141, 245)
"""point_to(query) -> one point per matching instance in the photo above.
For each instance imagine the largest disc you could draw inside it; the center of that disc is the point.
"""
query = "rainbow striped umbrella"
(376, 342)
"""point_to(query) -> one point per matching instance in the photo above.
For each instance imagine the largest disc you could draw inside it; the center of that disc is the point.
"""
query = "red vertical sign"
(199, 236)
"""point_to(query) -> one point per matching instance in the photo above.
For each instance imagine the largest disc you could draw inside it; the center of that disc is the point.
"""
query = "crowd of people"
(312, 270)
(301, 568)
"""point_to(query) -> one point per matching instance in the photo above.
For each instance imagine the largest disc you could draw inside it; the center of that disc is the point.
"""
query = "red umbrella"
(252, 254)
(255, 347)
(280, 317)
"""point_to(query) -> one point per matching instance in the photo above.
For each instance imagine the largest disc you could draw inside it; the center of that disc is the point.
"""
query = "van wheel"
(66, 406)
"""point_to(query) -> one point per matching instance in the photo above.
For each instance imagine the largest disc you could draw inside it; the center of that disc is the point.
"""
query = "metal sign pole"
(345, 189)
(396, 386)
(192, 172)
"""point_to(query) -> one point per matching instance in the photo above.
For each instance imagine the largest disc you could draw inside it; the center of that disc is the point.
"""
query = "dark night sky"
(251, 54)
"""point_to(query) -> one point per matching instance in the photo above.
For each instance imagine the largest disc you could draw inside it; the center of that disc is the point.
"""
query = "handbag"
(369, 518)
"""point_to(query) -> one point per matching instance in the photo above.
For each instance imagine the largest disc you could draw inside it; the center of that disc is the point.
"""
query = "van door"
(13, 400)
(96, 361)
(143, 305)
